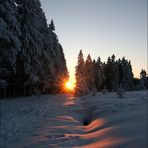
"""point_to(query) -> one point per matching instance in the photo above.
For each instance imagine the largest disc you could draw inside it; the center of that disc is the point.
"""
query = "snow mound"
(97, 121)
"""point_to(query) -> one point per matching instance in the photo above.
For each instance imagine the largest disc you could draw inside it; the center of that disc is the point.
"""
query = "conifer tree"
(120, 70)
(81, 85)
(144, 79)
(127, 75)
(115, 73)
(89, 73)
(108, 74)
(36, 59)
(143, 74)
(34, 31)
(10, 44)
(98, 74)
(51, 25)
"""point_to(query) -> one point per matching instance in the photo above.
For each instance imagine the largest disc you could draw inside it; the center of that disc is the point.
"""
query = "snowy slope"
(97, 121)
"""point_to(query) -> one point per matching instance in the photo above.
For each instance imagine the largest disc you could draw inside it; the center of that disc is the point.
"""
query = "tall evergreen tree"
(10, 44)
(89, 73)
(51, 26)
(38, 58)
(34, 32)
(115, 73)
(81, 85)
(98, 74)
(120, 69)
(127, 75)
(108, 74)
(144, 79)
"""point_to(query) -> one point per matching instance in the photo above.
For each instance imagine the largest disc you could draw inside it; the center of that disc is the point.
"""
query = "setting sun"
(69, 85)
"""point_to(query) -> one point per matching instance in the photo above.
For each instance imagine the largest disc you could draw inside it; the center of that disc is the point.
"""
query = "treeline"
(92, 75)
(31, 57)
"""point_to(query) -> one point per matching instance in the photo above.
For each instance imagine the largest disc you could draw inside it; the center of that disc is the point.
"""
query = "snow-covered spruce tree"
(59, 62)
(130, 75)
(144, 79)
(120, 91)
(31, 59)
(115, 74)
(127, 75)
(49, 58)
(98, 74)
(41, 56)
(108, 74)
(10, 45)
(111, 74)
(60, 69)
(51, 25)
(89, 74)
(81, 85)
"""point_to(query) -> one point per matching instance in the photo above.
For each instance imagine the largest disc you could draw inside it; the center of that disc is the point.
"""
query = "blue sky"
(101, 28)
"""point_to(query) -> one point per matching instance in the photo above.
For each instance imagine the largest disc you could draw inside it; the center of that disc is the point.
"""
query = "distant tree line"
(92, 75)
(31, 57)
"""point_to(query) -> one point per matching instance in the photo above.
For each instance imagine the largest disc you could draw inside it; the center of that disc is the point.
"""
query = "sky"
(101, 28)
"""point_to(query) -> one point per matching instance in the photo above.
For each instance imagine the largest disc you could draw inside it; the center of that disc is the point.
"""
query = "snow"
(30, 52)
(3, 83)
(16, 4)
(90, 121)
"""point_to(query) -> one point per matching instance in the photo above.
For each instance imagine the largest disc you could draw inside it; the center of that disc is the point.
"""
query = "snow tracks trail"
(99, 121)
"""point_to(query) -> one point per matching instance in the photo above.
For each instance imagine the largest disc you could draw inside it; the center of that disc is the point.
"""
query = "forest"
(32, 58)
(105, 106)
(114, 75)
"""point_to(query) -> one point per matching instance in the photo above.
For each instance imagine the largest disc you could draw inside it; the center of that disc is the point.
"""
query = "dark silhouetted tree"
(108, 74)
(144, 79)
(51, 25)
(89, 74)
(98, 74)
(10, 45)
(127, 75)
(32, 58)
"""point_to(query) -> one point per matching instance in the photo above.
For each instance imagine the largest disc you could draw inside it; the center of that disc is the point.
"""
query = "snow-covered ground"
(97, 121)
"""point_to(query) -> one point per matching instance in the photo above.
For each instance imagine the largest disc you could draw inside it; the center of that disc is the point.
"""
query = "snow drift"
(97, 121)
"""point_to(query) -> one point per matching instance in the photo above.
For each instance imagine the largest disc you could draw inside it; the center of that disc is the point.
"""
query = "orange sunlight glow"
(69, 85)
